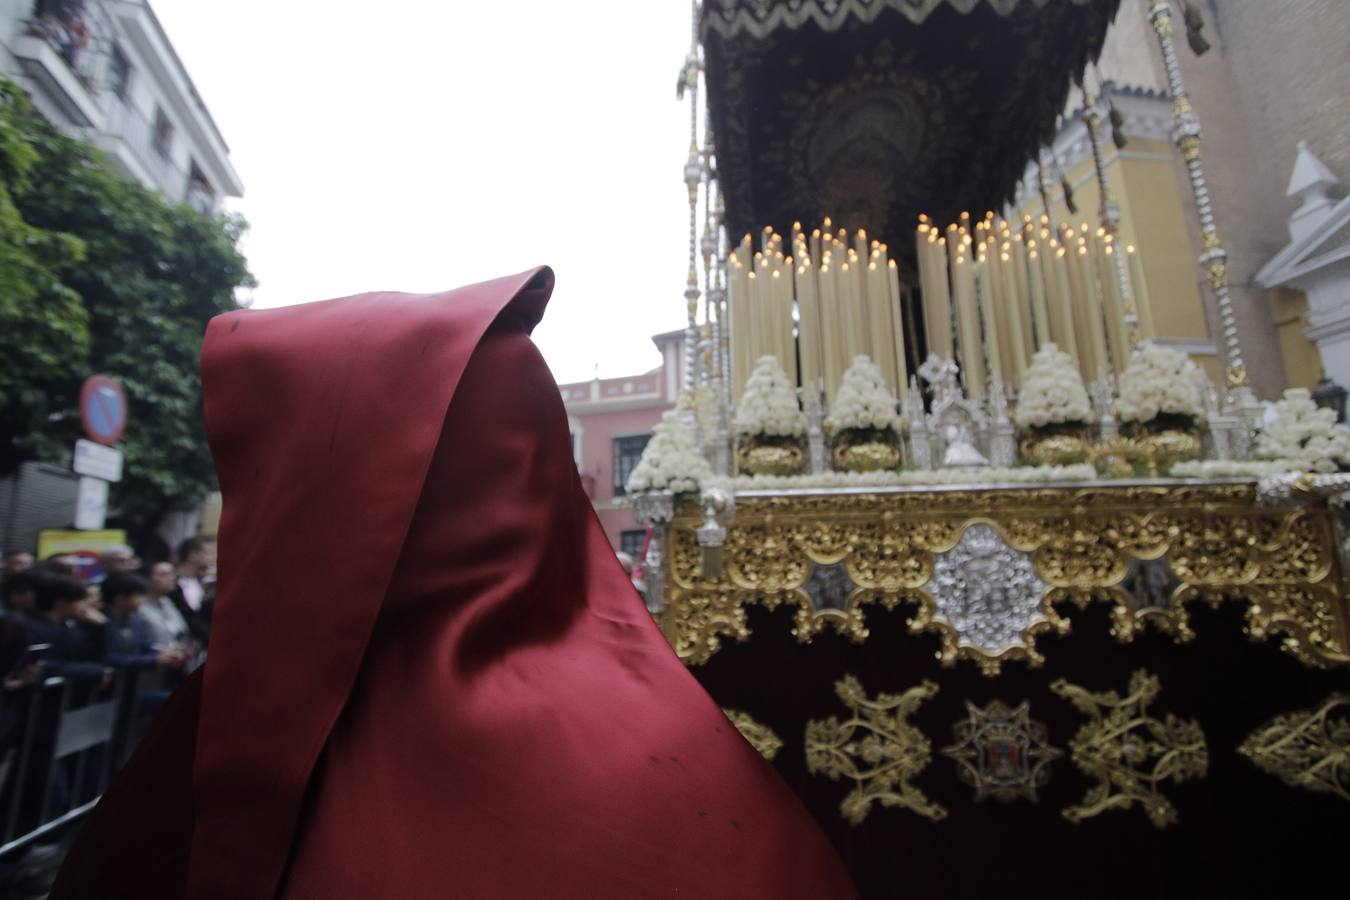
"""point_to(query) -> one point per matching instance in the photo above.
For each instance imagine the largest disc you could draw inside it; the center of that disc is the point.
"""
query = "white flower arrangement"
(1159, 381)
(915, 478)
(1232, 468)
(1052, 392)
(863, 401)
(1304, 434)
(769, 404)
(671, 460)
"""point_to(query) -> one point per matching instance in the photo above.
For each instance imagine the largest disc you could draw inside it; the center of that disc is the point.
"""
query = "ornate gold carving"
(1305, 617)
(1308, 749)
(1001, 752)
(1055, 449)
(1190, 147)
(1214, 538)
(1162, 24)
(876, 748)
(770, 459)
(1151, 450)
(872, 456)
(1129, 752)
(1237, 376)
(1218, 274)
(761, 737)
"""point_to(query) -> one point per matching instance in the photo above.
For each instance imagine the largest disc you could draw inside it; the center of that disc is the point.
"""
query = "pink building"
(611, 420)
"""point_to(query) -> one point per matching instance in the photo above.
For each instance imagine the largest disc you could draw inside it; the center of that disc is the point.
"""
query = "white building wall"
(80, 98)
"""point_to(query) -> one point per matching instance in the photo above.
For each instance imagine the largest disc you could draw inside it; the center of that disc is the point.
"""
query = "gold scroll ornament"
(759, 736)
(1309, 749)
(876, 748)
(1129, 752)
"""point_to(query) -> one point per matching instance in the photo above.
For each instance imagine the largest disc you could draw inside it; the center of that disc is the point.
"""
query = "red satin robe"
(429, 677)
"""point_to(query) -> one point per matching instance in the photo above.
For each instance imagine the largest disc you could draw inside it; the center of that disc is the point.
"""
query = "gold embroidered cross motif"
(1131, 753)
(1307, 749)
(876, 748)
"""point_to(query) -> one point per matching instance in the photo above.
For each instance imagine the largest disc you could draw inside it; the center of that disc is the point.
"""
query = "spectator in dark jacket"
(189, 596)
(62, 619)
(128, 642)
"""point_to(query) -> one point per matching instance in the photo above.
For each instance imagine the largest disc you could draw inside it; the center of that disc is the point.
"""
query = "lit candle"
(1115, 307)
(1096, 314)
(808, 324)
(986, 295)
(897, 317)
(874, 310)
(937, 302)
(967, 320)
(1141, 297)
(1036, 288)
(830, 322)
(1014, 308)
(1066, 332)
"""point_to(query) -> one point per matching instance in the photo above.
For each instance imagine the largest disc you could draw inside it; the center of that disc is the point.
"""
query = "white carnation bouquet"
(1161, 386)
(864, 404)
(1052, 393)
(1305, 434)
(671, 461)
(768, 408)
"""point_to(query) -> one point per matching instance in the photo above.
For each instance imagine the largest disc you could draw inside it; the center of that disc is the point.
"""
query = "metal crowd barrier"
(71, 735)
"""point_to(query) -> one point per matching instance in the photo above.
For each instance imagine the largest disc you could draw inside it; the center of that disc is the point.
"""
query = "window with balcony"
(119, 73)
(627, 452)
(200, 195)
(163, 139)
(64, 25)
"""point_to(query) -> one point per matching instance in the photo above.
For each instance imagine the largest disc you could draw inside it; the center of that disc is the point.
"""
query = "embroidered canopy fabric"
(875, 112)
(760, 17)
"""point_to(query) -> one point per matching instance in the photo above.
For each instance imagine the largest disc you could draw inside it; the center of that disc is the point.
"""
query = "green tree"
(145, 275)
(44, 328)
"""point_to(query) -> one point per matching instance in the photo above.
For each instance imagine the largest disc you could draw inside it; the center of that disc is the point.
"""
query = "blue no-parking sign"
(103, 409)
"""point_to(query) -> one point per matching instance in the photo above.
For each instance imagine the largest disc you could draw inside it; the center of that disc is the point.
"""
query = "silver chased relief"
(986, 591)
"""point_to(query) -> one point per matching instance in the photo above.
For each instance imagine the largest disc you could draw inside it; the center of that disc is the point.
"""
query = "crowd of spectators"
(154, 619)
(150, 622)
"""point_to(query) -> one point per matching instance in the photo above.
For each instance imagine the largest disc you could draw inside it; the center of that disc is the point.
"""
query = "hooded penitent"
(429, 676)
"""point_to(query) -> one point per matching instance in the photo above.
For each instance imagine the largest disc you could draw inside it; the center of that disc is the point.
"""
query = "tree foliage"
(100, 274)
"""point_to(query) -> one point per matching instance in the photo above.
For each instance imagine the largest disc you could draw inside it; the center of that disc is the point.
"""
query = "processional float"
(1010, 591)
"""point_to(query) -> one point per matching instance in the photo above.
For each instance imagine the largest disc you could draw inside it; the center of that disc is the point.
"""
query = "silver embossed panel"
(987, 591)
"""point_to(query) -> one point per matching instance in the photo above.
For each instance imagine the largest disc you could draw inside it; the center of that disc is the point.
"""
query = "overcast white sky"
(420, 145)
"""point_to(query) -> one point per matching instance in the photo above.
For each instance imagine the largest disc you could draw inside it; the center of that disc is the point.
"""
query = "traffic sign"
(91, 504)
(97, 461)
(103, 409)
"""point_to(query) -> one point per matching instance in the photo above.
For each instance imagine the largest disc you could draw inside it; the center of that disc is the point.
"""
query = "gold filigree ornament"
(876, 748)
(1129, 752)
(1309, 749)
(762, 457)
(1215, 540)
(761, 737)
(869, 456)
(1001, 752)
(1058, 445)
